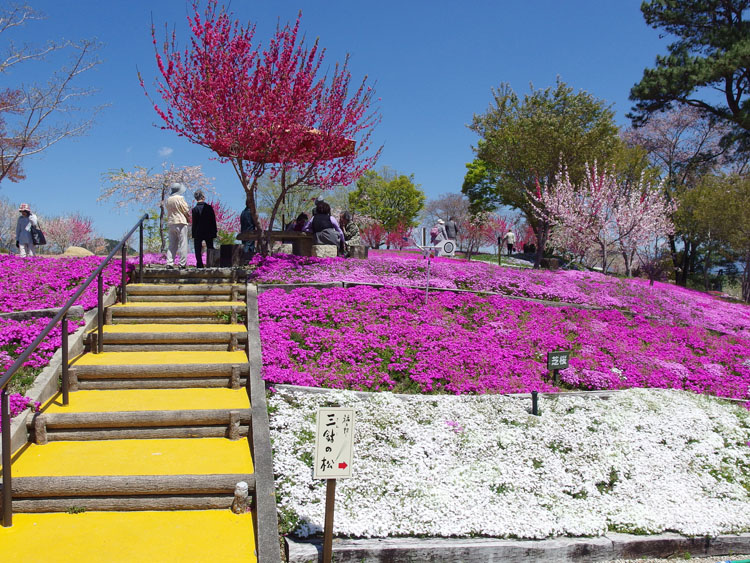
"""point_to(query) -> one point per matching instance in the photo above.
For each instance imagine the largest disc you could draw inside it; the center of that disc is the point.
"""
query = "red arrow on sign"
(342, 465)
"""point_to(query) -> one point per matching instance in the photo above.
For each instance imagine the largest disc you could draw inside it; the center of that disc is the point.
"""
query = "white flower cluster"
(645, 461)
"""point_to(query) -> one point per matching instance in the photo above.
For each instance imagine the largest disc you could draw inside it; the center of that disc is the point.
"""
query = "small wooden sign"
(333, 443)
(558, 359)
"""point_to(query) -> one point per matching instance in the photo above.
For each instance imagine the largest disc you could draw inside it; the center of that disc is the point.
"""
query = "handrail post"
(100, 314)
(64, 349)
(140, 254)
(7, 486)
(123, 275)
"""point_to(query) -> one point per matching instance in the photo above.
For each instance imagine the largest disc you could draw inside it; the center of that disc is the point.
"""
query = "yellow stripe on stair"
(119, 400)
(167, 328)
(178, 357)
(119, 537)
(176, 456)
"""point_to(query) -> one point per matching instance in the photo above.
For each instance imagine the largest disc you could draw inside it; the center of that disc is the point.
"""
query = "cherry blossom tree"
(603, 212)
(265, 109)
(398, 237)
(69, 230)
(227, 222)
(146, 189)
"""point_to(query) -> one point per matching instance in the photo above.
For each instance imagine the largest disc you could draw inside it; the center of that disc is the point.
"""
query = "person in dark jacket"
(247, 225)
(451, 228)
(204, 227)
(325, 228)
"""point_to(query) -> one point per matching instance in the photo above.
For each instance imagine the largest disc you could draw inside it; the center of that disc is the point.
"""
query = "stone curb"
(74, 311)
(46, 384)
(449, 550)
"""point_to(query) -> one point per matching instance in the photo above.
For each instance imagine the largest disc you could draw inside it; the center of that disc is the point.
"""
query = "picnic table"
(302, 243)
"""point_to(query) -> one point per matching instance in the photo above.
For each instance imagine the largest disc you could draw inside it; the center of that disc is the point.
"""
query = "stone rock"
(77, 251)
(325, 250)
(282, 248)
(358, 251)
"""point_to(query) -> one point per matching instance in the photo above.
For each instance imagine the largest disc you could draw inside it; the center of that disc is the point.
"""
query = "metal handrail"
(60, 317)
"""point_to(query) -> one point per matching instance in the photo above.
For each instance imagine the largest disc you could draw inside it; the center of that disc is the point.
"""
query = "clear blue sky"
(433, 62)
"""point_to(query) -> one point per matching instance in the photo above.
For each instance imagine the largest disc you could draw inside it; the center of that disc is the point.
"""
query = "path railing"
(61, 317)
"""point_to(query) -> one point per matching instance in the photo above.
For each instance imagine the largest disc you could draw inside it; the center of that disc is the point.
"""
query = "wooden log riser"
(179, 298)
(167, 348)
(124, 504)
(197, 312)
(173, 337)
(128, 419)
(103, 385)
(128, 485)
(156, 281)
(204, 288)
(157, 371)
(169, 320)
(70, 435)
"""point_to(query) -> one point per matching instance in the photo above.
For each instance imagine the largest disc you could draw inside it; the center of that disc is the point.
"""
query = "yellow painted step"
(157, 358)
(175, 456)
(118, 400)
(204, 304)
(174, 536)
(167, 328)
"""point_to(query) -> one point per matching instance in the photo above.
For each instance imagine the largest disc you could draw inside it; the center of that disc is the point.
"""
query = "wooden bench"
(302, 243)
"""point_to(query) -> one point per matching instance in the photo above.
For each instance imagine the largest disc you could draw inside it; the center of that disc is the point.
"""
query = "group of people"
(444, 231)
(326, 229)
(342, 233)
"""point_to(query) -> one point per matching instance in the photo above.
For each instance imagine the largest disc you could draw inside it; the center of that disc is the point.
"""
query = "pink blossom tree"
(69, 230)
(144, 188)
(603, 212)
(398, 237)
(227, 222)
(265, 109)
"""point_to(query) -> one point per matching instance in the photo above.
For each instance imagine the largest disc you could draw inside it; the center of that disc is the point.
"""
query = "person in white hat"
(178, 215)
(24, 242)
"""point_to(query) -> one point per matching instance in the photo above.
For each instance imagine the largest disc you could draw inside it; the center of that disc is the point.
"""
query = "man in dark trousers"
(204, 227)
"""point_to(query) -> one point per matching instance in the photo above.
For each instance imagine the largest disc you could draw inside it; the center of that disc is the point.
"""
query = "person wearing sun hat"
(178, 215)
(24, 241)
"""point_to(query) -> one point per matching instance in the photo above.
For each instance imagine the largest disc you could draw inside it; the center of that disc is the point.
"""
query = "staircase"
(156, 433)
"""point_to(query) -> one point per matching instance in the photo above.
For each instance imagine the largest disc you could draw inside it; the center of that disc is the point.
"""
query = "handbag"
(37, 236)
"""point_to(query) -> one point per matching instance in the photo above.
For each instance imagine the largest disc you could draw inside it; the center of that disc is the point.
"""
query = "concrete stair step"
(126, 492)
(75, 426)
(125, 537)
(131, 370)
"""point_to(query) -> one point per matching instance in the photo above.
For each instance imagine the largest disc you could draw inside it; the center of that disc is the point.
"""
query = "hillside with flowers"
(446, 425)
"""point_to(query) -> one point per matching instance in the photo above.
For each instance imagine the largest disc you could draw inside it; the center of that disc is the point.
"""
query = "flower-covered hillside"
(662, 301)
(387, 339)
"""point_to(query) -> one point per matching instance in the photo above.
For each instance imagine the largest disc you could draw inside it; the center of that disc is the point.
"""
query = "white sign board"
(333, 443)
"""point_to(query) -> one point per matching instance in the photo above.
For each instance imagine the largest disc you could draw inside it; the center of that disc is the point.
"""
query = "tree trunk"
(746, 278)
(706, 267)
(161, 219)
(542, 233)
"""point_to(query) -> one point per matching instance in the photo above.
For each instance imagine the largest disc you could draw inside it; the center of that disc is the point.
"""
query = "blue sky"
(433, 64)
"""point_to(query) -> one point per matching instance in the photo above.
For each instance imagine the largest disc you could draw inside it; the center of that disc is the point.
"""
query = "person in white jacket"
(24, 242)
(178, 215)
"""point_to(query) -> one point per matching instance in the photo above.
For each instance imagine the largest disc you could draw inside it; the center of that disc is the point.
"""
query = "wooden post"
(328, 531)
(5, 436)
(100, 314)
(64, 351)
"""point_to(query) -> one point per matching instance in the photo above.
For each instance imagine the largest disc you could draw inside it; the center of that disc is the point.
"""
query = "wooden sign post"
(556, 361)
(333, 460)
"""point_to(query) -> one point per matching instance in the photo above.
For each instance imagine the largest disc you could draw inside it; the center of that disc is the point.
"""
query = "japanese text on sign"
(333, 443)
(558, 360)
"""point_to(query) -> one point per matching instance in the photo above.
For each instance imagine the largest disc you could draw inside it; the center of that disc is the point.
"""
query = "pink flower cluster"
(18, 404)
(664, 302)
(39, 283)
(388, 339)
(15, 337)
